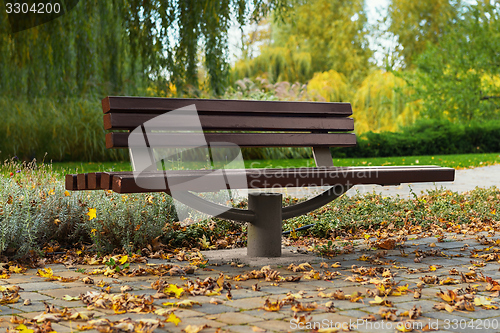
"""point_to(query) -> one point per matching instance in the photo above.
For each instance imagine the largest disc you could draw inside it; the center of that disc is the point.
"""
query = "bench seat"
(125, 182)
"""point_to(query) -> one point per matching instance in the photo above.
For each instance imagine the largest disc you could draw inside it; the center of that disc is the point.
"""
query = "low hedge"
(427, 137)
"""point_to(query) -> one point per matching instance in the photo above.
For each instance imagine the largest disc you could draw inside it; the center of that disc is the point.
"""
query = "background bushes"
(427, 137)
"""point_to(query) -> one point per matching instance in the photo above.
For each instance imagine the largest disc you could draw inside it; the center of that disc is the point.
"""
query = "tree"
(416, 24)
(459, 78)
(124, 46)
(316, 36)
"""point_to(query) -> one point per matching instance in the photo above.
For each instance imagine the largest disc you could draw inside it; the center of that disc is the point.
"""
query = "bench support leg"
(264, 232)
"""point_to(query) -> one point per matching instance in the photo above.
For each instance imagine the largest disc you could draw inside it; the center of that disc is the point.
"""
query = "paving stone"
(33, 296)
(8, 311)
(483, 314)
(18, 279)
(263, 314)
(333, 320)
(240, 328)
(60, 293)
(347, 305)
(187, 313)
(234, 318)
(248, 303)
(425, 304)
(214, 309)
(34, 306)
(60, 303)
(272, 290)
(354, 313)
(275, 325)
(39, 286)
(245, 293)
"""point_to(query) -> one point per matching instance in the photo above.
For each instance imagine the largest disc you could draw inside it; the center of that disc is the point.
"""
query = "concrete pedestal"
(264, 233)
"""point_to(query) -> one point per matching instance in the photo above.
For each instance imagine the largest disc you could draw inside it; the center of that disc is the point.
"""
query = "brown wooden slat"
(82, 181)
(70, 182)
(231, 122)
(94, 180)
(120, 140)
(162, 105)
(296, 177)
(106, 178)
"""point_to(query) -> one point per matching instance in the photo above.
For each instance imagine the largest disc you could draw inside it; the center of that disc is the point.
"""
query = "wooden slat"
(232, 122)
(296, 177)
(70, 182)
(120, 140)
(162, 105)
(82, 181)
(94, 180)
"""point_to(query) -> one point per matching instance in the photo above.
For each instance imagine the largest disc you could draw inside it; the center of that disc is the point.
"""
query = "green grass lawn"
(454, 161)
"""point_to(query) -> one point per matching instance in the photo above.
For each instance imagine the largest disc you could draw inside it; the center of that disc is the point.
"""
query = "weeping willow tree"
(53, 76)
(124, 47)
(332, 86)
(383, 103)
(316, 36)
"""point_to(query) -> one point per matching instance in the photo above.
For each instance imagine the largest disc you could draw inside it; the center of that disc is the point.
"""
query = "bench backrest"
(278, 123)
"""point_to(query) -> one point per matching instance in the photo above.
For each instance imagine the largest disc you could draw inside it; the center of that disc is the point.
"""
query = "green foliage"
(416, 23)
(35, 209)
(64, 130)
(382, 103)
(125, 47)
(459, 79)
(427, 137)
(345, 215)
(315, 36)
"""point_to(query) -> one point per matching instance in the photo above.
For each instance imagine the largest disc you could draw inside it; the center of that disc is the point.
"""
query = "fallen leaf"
(172, 318)
(194, 328)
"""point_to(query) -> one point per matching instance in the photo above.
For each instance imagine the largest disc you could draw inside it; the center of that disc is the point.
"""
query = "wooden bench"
(248, 124)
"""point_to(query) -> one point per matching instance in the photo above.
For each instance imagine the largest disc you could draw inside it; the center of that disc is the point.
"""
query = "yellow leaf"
(172, 318)
(118, 309)
(173, 289)
(364, 257)
(183, 304)
(484, 302)
(336, 265)
(46, 272)
(16, 269)
(66, 193)
(213, 292)
(92, 213)
(272, 306)
(23, 329)
(123, 259)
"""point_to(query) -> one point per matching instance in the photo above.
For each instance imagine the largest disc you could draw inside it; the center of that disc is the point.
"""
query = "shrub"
(35, 209)
(427, 137)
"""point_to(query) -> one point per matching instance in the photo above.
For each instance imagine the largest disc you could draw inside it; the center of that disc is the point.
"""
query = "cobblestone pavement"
(245, 313)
